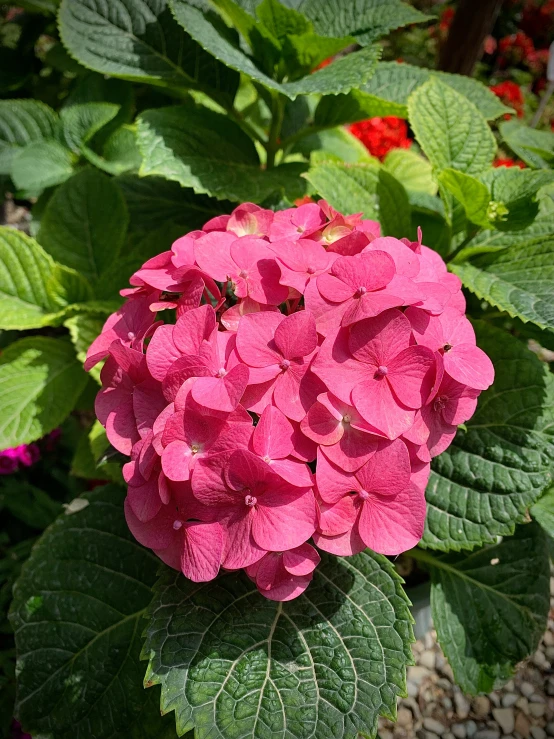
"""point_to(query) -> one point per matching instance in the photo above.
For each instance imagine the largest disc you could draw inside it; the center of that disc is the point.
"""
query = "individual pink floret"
(284, 575)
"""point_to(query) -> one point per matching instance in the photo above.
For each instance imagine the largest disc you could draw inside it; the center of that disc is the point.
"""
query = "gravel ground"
(437, 709)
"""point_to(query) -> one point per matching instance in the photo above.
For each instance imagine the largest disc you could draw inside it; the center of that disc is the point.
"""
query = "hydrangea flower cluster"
(311, 371)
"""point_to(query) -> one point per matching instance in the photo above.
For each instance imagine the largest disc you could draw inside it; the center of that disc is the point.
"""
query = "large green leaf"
(350, 188)
(346, 73)
(141, 41)
(394, 206)
(450, 129)
(233, 664)
(204, 150)
(83, 329)
(81, 121)
(519, 281)
(77, 615)
(85, 223)
(25, 274)
(490, 607)
(496, 467)
(366, 20)
(28, 503)
(543, 512)
(153, 201)
(21, 122)
(517, 192)
(413, 171)
(40, 381)
(41, 164)
(536, 148)
(473, 194)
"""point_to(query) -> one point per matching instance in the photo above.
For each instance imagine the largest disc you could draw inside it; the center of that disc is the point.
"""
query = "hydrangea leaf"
(42, 164)
(519, 280)
(40, 381)
(536, 148)
(153, 202)
(143, 43)
(25, 271)
(496, 467)
(335, 145)
(543, 512)
(394, 206)
(78, 614)
(490, 607)
(119, 153)
(204, 150)
(450, 129)
(21, 122)
(470, 192)
(366, 20)
(85, 223)
(28, 503)
(83, 329)
(233, 664)
(412, 170)
(344, 74)
(350, 188)
(80, 122)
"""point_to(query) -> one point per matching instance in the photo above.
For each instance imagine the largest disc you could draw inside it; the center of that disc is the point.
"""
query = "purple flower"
(9, 461)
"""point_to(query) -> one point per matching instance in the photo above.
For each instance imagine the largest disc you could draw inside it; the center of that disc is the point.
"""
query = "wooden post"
(472, 22)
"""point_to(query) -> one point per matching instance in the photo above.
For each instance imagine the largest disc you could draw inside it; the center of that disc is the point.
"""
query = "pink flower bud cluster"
(11, 460)
(310, 372)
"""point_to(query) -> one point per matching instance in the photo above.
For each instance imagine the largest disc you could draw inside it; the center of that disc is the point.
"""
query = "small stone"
(526, 689)
(550, 686)
(540, 660)
(509, 700)
(537, 710)
(481, 706)
(430, 735)
(459, 731)
(510, 686)
(522, 725)
(404, 717)
(487, 734)
(429, 640)
(523, 705)
(412, 706)
(550, 728)
(549, 651)
(461, 704)
(427, 659)
(471, 728)
(548, 639)
(412, 689)
(495, 699)
(505, 718)
(446, 704)
(444, 684)
(417, 673)
(448, 735)
(445, 669)
(536, 698)
(431, 724)
(537, 732)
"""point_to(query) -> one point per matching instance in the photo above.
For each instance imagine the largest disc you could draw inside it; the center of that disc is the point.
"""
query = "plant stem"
(461, 247)
(421, 555)
(246, 127)
(273, 144)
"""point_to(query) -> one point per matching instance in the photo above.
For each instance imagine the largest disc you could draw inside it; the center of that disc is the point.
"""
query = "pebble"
(523, 705)
(427, 660)
(459, 731)
(448, 735)
(461, 704)
(537, 710)
(522, 725)
(404, 717)
(550, 654)
(412, 689)
(536, 698)
(550, 686)
(550, 728)
(509, 699)
(471, 728)
(495, 699)
(431, 724)
(488, 734)
(505, 718)
(481, 706)
(417, 673)
(537, 732)
(526, 689)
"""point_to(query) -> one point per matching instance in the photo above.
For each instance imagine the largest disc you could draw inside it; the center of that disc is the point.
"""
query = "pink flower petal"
(388, 470)
(377, 405)
(157, 533)
(202, 550)
(221, 393)
(302, 560)
(375, 341)
(213, 254)
(343, 544)
(272, 436)
(332, 482)
(194, 327)
(255, 339)
(284, 518)
(161, 352)
(469, 365)
(411, 375)
(296, 336)
(337, 518)
(240, 549)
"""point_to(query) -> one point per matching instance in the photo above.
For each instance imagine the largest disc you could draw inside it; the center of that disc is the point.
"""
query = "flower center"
(177, 524)
(250, 500)
(195, 448)
(440, 402)
(364, 495)
(381, 371)
(131, 336)
(447, 347)
(267, 459)
(285, 364)
(346, 418)
(310, 270)
(221, 372)
(362, 290)
(243, 273)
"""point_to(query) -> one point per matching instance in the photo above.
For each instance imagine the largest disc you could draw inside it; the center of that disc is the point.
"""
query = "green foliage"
(77, 615)
(543, 512)
(497, 466)
(394, 206)
(349, 188)
(22, 122)
(41, 164)
(481, 600)
(326, 664)
(536, 148)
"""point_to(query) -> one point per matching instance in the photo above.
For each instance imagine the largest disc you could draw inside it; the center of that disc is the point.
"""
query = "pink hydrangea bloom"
(312, 370)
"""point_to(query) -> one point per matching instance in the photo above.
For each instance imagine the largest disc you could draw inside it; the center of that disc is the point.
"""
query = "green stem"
(273, 144)
(421, 555)
(459, 249)
(246, 127)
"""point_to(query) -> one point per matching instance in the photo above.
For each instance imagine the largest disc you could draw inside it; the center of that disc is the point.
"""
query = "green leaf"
(344, 74)
(366, 20)
(470, 192)
(490, 607)
(83, 329)
(21, 122)
(66, 287)
(543, 512)
(519, 281)
(85, 223)
(517, 191)
(28, 503)
(233, 664)
(81, 121)
(77, 615)
(412, 170)
(41, 164)
(304, 52)
(394, 206)
(281, 21)
(153, 202)
(204, 150)
(25, 271)
(335, 144)
(40, 381)
(536, 148)
(350, 188)
(394, 82)
(496, 467)
(450, 129)
(141, 42)
(89, 462)
(119, 153)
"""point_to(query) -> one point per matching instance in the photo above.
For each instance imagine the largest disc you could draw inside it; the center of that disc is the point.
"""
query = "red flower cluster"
(514, 49)
(511, 95)
(507, 162)
(380, 135)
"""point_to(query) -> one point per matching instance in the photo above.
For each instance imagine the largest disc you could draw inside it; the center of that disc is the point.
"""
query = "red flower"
(447, 16)
(507, 162)
(380, 135)
(515, 49)
(511, 95)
